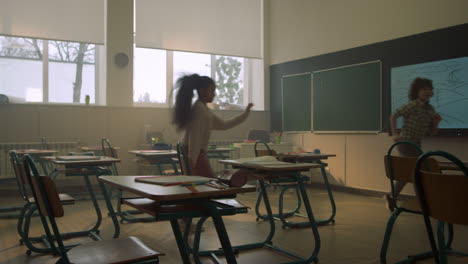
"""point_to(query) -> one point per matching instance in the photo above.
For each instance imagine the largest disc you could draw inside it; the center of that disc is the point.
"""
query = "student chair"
(225, 207)
(402, 169)
(129, 215)
(284, 183)
(123, 250)
(443, 198)
(29, 208)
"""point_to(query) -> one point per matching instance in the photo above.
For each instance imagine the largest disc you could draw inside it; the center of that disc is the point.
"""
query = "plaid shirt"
(417, 119)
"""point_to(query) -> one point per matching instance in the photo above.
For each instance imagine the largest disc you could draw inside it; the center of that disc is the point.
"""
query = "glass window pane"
(189, 63)
(149, 76)
(71, 72)
(229, 79)
(21, 68)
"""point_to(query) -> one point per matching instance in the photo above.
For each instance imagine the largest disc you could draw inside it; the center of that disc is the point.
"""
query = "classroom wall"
(124, 126)
(122, 123)
(300, 29)
(305, 28)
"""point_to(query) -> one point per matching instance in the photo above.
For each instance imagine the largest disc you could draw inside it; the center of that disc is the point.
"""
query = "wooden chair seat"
(122, 250)
(64, 199)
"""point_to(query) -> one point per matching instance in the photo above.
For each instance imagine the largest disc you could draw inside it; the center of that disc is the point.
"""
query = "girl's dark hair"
(185, 86)
(416, 85)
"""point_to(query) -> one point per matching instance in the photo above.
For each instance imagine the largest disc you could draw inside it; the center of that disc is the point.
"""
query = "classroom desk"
(86, 168)
(311, 158)
(200, 204)
(37, 154)
(279, 169)
(157, 158)
(160, 157)
(97, 150)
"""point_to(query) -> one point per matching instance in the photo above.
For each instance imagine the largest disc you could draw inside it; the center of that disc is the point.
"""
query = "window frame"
(247, 94)
(98, 100)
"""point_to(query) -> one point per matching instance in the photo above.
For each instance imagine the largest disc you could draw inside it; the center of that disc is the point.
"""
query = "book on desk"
(173, 180)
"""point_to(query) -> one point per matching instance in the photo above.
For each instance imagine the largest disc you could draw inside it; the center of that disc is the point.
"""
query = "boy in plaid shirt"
(419, 120)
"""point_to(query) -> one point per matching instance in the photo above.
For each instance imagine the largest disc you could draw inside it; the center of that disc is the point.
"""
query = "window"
(149, 76)
(235, 77)
(71, 72)
(35, 70)
(21, 68)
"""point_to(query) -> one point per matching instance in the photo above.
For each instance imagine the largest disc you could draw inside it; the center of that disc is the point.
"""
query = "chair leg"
(388, 234)
(441, 241)
(20, 225)
(450, 237)
(257, 205)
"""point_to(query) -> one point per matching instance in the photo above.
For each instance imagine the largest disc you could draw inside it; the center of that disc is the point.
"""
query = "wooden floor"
(355, 238)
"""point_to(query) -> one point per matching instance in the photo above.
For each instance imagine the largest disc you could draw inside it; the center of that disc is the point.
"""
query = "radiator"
(6, 171)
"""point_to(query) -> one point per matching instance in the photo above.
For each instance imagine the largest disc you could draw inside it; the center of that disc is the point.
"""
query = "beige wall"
(305, 28)
(124, 126)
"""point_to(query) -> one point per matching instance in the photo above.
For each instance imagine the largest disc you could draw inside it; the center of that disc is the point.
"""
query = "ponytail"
(185, 86)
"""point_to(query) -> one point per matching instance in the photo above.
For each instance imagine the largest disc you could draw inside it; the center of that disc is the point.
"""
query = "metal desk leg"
(313, 224)
(94, 232)
(222, 234)
(330, 196)
(180, 241)
(318, 221)
(110, 209)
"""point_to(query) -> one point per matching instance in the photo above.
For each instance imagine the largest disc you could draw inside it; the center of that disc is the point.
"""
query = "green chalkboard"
(348, 99)
(297, 98)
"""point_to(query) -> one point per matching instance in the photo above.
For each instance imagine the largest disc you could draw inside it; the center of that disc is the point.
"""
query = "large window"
(156, 72)
(21, 68)
(149, 76)
(34, 70)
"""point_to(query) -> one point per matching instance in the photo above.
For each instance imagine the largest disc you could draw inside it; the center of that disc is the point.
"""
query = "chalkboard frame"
(311, 101)
(380, 128)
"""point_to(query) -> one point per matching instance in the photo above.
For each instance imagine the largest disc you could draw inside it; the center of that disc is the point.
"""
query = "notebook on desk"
(78, 158)
(173, 180)
(263, 160)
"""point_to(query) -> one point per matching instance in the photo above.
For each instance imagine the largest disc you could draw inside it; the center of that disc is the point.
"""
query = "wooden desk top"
(447, 165)
(103, 161)
(96, 148)
(170, 193)
(152, 153)
(279, 166)
(34, 151)
(304, 156)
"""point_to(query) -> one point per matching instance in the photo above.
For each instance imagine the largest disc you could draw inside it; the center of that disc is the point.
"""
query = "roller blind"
(72, 20)
(223, 27)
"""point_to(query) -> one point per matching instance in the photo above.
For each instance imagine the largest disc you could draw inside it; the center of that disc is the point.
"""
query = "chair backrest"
(20, 176)
(400, 168)
(263, 152)
(259, 135)
(107, 149)
(48, 202)
(443, 196)
(183, 159)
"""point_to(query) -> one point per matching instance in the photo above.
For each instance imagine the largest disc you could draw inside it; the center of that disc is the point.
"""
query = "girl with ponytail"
(198, 121)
